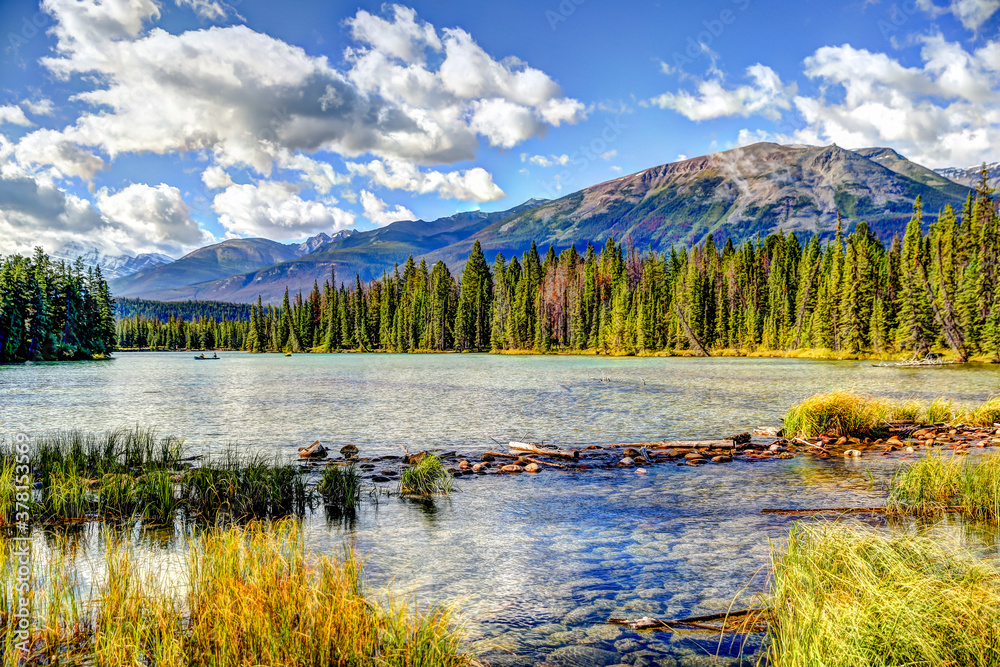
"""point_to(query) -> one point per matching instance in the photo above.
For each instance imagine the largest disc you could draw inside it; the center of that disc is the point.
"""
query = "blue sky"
(163, 125)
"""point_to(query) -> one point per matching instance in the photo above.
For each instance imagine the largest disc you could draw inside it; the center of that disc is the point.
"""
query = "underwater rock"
(512, 468)
(532, 467)
(627, 461)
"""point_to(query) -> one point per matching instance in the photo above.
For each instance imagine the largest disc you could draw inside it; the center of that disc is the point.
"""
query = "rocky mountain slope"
(735, 194)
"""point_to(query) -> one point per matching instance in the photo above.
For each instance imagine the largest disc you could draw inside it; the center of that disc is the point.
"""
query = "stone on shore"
(313, 451)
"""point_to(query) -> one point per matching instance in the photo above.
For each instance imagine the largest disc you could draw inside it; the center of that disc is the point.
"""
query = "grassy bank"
(243, 597)
(848, 597)
(935, 484)
(861, 415)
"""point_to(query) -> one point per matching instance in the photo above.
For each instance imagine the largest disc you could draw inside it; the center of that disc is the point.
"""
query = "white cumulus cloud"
(379, 213)
(274, 210)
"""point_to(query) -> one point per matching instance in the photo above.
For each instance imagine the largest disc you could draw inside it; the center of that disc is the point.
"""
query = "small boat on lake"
(202, 357)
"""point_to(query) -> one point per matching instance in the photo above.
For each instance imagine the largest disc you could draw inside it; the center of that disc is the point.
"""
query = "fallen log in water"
(810, 444)
(696, 444)
(851, 510)
(535, 449)
(738, 618)
(828, 510)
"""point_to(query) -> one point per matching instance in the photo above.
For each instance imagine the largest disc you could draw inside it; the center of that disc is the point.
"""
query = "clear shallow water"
(537, 562)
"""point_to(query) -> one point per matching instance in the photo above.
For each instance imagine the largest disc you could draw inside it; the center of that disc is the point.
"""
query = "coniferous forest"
(933, 289)
(53, 310)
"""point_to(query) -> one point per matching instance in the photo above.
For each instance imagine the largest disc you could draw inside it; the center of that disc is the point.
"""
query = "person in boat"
(202, 355)
(215, 355)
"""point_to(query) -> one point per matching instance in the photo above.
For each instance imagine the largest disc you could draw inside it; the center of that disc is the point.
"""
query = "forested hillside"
(53, 310)
(923, 291)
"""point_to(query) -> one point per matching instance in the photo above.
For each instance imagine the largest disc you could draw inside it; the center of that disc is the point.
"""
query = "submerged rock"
(532, 467)
(640, 471)
(627, 461)
(856, 453)
(722, 459)
(767, 431)
(582, 656)
(512, 468)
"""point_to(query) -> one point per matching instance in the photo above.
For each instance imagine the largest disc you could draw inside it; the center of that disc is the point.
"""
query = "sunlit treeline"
(933, 288)
(53, 310)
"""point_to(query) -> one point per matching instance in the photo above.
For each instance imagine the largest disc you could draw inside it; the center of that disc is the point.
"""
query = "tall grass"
(426, 478)
(244, 488)
(122, 450)
(934, 483)
(244, 597)
(340, 488)
(986, 414)
(847, 597)
(842, 413)
(838, 413)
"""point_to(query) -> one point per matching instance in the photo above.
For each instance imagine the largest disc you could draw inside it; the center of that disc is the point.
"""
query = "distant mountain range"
(112, 266)
(734, 195)
(971, 175)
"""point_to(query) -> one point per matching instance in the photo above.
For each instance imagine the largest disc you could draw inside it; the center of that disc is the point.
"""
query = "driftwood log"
(694, 444)
(828, 510)
(747, 620)
(541, 451)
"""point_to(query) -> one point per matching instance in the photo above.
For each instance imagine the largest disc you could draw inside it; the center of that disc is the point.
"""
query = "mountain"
(735, 195)
(112, 266)
(233, 256)
(970, 176)
(367, 253)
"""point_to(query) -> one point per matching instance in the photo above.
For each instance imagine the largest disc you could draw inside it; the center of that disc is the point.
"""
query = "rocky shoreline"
(764, 444)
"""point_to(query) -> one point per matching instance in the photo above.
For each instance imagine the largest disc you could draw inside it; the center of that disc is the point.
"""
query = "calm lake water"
(536, 562)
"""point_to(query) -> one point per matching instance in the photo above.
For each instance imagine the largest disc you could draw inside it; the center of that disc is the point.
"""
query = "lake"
(537, 562)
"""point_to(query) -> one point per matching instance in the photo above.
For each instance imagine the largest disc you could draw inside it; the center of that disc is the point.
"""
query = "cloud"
(215, 177)
(320, 175)
(379, 213)
(946, 112)
(943, 112)
(150, 217)
(973, 13)
(52, 148)
(248, 98)
(474, 184)
(546, 161)
(14, 115)
(139, 218)
(42, 107)
(273, 209)
(210, 10)
(403, 37)
(766, 96)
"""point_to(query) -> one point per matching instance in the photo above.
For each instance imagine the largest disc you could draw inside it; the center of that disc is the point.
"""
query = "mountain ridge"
(734, 194)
